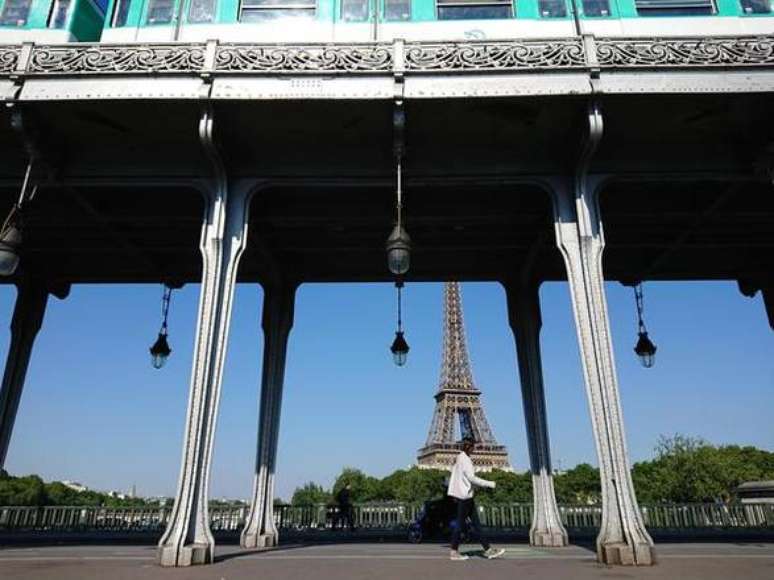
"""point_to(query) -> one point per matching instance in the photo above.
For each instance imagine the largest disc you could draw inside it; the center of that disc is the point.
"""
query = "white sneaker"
(456, 556)
(493, 553)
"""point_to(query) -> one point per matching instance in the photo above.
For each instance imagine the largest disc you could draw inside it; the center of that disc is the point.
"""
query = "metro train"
(127, 21)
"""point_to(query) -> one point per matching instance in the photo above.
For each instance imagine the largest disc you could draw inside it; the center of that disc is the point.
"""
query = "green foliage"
(690, 469)
(414, 485)
(364, 487)
(684, 470)
(31, 490)
(511, 487)
(310, 494)
(579, 485)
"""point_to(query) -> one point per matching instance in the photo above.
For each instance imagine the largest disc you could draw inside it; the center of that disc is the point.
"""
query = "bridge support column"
(278, 302)
(28, 313)
(188, 539)
(622, 538)
(525, 321)
(750, 288)
(768, 302)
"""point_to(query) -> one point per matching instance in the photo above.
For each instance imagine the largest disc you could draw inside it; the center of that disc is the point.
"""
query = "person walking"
(345, 507)
(461, 482)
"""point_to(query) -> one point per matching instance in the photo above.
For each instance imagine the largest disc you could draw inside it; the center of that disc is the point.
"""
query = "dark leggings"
(466, 508)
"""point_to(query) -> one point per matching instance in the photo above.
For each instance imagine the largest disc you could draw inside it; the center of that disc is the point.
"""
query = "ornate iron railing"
(518, 55)
(390, 516)
(685, 52)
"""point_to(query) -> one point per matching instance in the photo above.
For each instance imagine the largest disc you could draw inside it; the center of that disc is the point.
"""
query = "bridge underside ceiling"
(682, 200)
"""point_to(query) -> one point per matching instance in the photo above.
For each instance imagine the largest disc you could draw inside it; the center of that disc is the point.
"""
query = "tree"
(511, 487)
(689, 469)
(29, 491)
(414, 485)
(310, 494)
(579, 485)
(364, 487)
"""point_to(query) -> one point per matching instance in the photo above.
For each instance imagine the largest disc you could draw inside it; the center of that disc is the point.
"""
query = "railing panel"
(393, 516)
(576, 53)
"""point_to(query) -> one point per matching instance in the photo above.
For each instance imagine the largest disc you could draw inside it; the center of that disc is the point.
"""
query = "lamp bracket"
(399, 114)
(29, 133)
(25, 125)
(398, 130)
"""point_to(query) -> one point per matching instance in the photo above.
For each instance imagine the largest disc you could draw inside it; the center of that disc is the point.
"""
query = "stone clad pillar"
(622, 538)
(188, 539)
(278, 305)
(525, 322)
(28, 313)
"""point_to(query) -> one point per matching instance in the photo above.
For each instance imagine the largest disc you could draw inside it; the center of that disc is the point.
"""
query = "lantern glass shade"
(9, 250)
(398, 251)
(400, 349)
(646, 350)
(160, 351)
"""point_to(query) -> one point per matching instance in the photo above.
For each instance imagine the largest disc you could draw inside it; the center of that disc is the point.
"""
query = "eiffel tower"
(457, 396)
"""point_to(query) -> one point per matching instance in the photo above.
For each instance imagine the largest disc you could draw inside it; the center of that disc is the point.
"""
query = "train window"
(354, 10)
(160, 11)
(15, 12)
(261, 10)
(58, 16)
(200, 11)
(596, 8)
(397, 9)
(474, 9)
(552, 8)
(674, 7)
(756, 6)
(120, 12)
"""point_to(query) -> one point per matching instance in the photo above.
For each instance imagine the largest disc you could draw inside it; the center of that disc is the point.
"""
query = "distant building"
(756, 492)
(74, 485)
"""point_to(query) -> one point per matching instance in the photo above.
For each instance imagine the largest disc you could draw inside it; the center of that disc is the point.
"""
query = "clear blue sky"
(95, 411)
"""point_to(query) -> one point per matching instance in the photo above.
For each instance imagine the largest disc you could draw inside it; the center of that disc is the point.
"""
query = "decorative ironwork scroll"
(9, 56)
(380, 58)
(506, 55)
(685, 52)
(105, 58)
(345, 58)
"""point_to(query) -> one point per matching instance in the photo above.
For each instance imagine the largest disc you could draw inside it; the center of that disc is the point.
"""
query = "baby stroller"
(436, 519)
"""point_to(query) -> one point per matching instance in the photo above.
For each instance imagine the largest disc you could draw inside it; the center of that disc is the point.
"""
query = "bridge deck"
(383, 561)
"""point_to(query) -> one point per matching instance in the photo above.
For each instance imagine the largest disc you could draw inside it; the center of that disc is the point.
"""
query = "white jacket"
(463, 478)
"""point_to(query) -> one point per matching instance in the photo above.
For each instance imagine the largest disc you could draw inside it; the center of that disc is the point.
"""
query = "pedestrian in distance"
(461, 482)
(343, 498)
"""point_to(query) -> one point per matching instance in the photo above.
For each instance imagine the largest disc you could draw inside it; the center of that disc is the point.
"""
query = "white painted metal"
(622, 538)
(188, 539)
(42, 35)
(567, 66)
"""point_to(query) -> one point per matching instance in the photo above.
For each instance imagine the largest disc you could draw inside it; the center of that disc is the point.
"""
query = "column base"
(622, 554)
(190, 555)
(259, 540)
(548, 539)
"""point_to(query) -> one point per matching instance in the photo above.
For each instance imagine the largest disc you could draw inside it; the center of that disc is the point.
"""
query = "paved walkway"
(385, 561)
